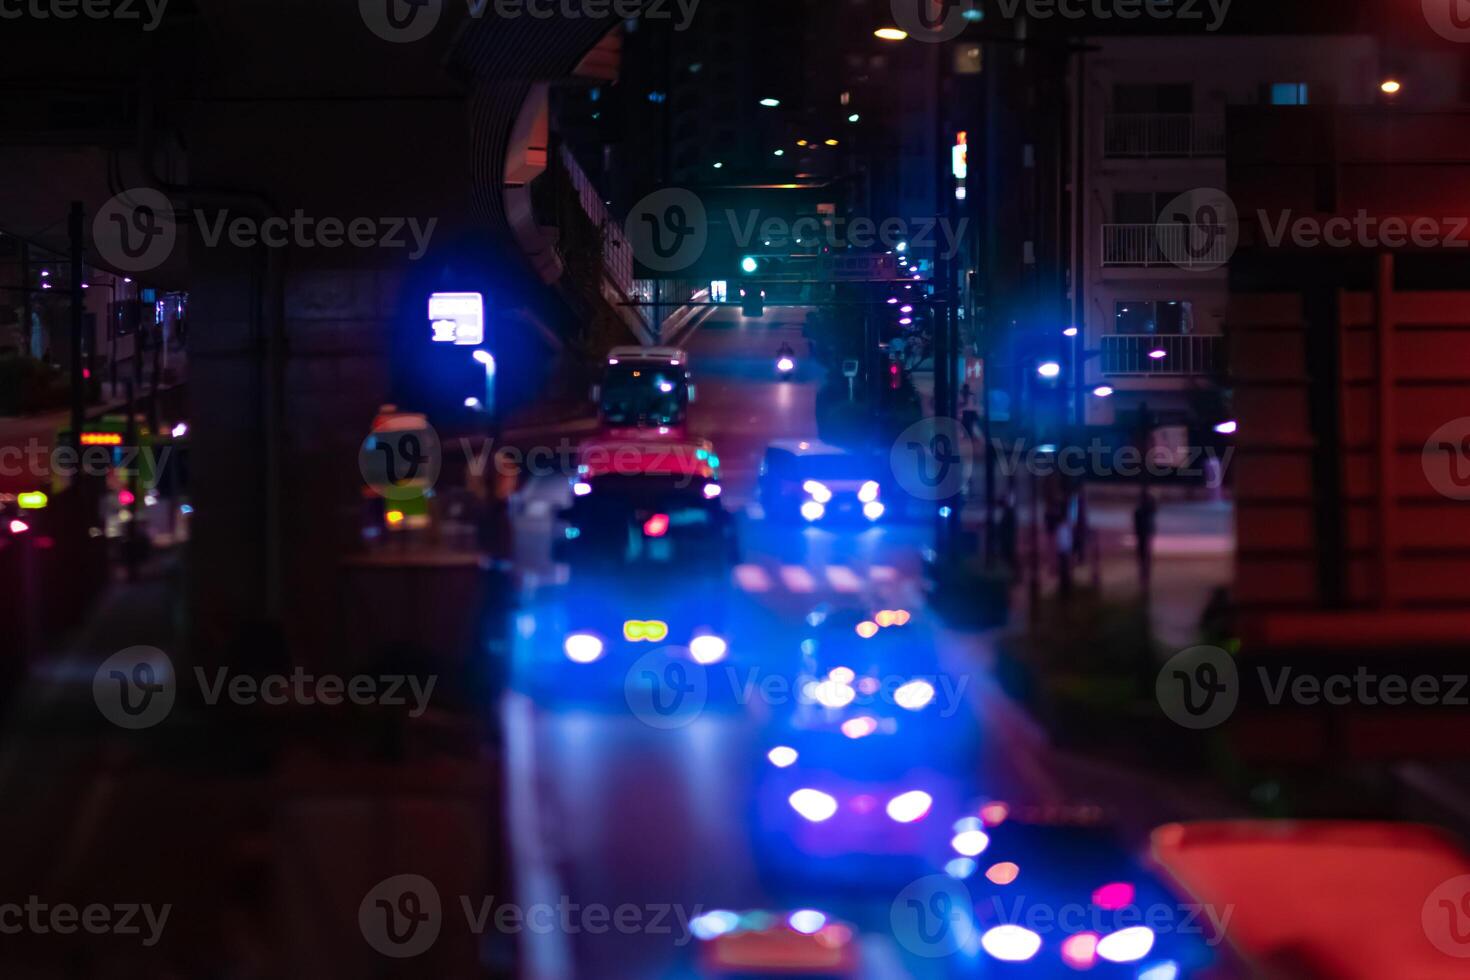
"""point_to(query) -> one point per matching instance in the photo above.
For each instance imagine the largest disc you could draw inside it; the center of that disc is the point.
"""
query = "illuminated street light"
(890, 34)
(1049, 369)
(1227, 428)
(854, 118)
(1103, 391)
(1069, 332)
(1158, 353)
(1390, 86)
(770, 103)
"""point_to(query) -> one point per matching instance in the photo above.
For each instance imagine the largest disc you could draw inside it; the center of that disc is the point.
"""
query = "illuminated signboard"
(102, 438)
(960, 155)
(457, 318)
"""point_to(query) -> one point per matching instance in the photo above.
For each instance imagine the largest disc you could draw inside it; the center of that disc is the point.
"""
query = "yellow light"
(901, 617)
(33, 500)
(394, 516)
(890, 34)
(101, 439)
(885, 618)
(831, 142)
(645, 631)
(801, 142)
(867, 629)
(1390, 87)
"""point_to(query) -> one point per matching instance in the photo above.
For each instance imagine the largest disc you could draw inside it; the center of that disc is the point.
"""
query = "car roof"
(808, 447)
(648, 354)
(648, 457)
(1345, 895)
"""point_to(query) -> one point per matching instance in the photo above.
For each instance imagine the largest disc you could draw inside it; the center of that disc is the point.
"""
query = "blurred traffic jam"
(639, 490)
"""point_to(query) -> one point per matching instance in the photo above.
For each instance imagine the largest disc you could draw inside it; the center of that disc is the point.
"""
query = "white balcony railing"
(1154, 134)
(1162, 354)
(1195, 247)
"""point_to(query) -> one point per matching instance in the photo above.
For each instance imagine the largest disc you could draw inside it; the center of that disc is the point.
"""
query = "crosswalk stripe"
(798, 579)
(844, 579)
(752, 578)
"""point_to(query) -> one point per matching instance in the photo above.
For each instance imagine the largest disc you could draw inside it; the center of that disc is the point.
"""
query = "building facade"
(1150, 292)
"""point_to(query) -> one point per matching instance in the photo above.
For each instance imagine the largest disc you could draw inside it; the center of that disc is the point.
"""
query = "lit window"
(1289, 93)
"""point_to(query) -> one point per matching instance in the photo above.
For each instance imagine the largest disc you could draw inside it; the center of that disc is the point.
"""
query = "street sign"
(457, 318)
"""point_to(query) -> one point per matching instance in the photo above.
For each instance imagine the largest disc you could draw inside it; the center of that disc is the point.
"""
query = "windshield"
(631, 393)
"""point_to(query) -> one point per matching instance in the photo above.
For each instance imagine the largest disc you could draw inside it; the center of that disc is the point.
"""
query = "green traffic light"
(749, 264)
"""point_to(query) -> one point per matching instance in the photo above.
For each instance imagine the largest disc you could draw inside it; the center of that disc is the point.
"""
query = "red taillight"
(656, 526)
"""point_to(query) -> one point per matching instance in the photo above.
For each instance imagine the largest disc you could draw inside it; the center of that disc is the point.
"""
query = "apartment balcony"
(1163, 355)
(1155, 135)
(1190, 247)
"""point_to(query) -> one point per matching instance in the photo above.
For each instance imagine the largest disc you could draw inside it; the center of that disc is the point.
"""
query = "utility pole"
(78, 391)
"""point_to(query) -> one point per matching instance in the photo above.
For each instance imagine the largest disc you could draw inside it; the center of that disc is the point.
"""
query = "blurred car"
(649, 548)
(758, 943)
(1055, 892)
(645, 387)
(1350, 900)
(813, 482)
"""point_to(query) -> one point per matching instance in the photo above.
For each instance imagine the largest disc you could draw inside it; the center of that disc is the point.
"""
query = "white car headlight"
(582, 648)
(812, 511)
(817, 491)
(708, 649)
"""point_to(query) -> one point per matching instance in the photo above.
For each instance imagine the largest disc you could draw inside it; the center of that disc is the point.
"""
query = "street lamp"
(1069, 332)
(1103, 391)
(1049, 369)
(890, 34)
(1390, 86)
(771, 103)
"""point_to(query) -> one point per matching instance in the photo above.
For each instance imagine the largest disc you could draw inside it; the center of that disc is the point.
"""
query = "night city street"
(718, 489)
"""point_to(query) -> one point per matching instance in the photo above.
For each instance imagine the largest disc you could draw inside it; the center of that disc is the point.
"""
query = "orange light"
(867, 629)
(901, 617)
(394, 517)
(101, 438)
(831, 142)
(1003, 873)
(801, 143)
(994, 814)
(1390, 87)
(885, 618)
